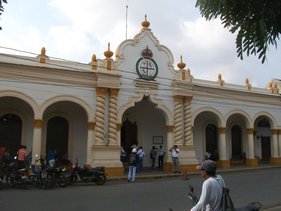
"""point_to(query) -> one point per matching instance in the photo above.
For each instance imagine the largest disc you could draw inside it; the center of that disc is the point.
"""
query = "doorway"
(212, 141)
(57, 136)
(265, 146)
(10, 132)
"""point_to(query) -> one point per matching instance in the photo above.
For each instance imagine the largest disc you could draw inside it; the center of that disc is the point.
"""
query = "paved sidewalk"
(155, 173)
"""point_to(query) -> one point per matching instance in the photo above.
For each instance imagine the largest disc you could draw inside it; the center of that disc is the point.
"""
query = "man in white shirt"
(175, 158)
(211, 194)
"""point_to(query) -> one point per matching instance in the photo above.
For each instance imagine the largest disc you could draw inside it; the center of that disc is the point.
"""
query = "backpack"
(227, 204)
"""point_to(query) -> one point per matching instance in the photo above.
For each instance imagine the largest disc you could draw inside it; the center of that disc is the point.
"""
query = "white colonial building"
(90, 110)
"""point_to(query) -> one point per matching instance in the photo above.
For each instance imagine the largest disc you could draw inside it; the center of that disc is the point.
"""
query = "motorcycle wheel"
(100, 179)
(73, 179)
(10, 181)
(32, 179)
(62, 181)
(23, 183)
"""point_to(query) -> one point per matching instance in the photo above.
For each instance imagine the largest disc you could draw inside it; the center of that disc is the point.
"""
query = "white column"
(100, 119)
(170, 143)
(90, 142)
(187, 121)
(112, 124)
(222, 144)
(37, 139)
(274, 143)
(251, 150)
(178, 120)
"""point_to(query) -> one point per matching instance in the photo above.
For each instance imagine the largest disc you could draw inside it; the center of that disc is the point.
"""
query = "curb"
(185, 176)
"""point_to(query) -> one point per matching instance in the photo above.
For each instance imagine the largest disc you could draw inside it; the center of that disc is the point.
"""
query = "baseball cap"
(207, 165)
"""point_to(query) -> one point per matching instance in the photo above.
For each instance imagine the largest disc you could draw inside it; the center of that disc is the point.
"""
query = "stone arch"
(159, 105)
(269, 117)
(245, 115)
(220, 119)
(29, 100)
(82, 103)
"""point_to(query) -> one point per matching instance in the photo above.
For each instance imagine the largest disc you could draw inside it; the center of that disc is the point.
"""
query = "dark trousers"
(160, 161)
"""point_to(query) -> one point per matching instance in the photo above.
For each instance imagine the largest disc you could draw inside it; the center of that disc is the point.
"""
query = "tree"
(258, 22)
(2, 8)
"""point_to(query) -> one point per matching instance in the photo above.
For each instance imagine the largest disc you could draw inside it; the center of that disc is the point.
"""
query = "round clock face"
(147, 69)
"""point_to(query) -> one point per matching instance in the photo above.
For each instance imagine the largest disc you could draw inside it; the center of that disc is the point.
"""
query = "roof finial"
(108, 53)
(145, 23)
(181, 65)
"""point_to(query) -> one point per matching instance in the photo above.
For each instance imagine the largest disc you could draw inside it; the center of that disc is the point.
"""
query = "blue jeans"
(140, 164)
(176, 164)
(132, 173)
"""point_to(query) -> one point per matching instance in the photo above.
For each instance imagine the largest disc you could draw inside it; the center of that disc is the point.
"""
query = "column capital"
(188, 98)
(222, 129)
(250, 130)
(113, 92)
(100, 91)
(170, 128)
(37, 123)
(91, 125)
(177, 97)
(274, 131)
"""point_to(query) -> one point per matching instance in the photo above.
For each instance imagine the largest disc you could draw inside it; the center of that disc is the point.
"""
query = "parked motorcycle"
(96, 175)
(38, 177)
(253, 206)
(16, 177)
(53, 174)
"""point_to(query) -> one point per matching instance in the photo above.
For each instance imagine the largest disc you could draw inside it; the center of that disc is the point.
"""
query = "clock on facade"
(147, 68)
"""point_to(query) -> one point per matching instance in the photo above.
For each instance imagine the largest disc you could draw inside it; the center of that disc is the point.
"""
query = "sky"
(75, 30)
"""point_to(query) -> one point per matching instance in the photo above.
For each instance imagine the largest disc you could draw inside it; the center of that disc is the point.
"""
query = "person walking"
(140, 154)
(161, 154)
(132, 166)
(175, 158)
(153, 155)
(211, 194)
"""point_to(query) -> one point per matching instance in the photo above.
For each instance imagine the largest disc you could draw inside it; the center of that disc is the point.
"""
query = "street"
(143, 195)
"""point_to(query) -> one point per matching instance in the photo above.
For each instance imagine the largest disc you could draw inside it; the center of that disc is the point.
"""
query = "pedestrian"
(140, 158)
(51, 157)
(132, 166)
(211, 193)
(153, 155)
(122, 155)
(161, 154)
(21, 156)
(175, 158)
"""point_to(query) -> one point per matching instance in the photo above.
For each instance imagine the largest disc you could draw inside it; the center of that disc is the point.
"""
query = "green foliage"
(257, 22)
(2, 8)
(1, 5)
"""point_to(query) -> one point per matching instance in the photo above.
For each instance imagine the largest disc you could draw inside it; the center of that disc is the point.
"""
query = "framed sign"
(157, 140)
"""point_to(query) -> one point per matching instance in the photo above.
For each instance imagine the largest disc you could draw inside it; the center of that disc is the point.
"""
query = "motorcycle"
(16, 177)
(53, 174)
(253, 206)
(96, 175)
(38, 177)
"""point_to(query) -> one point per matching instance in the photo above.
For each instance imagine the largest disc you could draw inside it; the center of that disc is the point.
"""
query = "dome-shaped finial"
(108, 53)
(94, 58)
(219, 77)
(145, 23)
(43, 51)
(181, 65)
